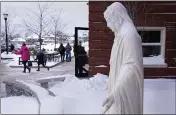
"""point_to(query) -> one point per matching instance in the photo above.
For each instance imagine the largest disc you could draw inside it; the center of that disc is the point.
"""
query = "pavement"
(8, 73)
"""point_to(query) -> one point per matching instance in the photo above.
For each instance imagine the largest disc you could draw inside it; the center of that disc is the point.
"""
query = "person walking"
(25, 56)
(41, 60)
(68, 52)
(62, 52)
(82, 59)
(12, 47)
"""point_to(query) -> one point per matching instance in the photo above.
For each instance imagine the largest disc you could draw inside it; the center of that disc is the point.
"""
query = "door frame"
(76, 47)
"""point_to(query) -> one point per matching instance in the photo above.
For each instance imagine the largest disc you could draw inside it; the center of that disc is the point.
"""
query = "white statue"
(125, 85)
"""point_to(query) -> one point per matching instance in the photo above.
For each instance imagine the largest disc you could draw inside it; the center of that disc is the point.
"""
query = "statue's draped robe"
(126, 72)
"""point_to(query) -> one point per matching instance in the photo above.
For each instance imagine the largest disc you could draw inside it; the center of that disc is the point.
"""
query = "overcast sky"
(73, 13)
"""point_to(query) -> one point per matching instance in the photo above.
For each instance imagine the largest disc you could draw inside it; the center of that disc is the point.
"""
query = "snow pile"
(79, 96)
(75, 96)
(155, 60)
(67, 76)
(46, 100)
(9, 55)
(52, 105)
(19, 105)
(41, 92)
(99, 82)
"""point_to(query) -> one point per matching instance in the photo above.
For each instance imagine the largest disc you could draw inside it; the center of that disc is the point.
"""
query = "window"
(153, 45)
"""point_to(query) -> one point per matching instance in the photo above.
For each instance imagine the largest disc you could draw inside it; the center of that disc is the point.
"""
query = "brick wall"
(159, 14)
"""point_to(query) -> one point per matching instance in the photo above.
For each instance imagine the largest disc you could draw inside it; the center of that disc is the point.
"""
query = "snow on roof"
(19, 39)
(36, 36)
(33, 37)
(48, 36)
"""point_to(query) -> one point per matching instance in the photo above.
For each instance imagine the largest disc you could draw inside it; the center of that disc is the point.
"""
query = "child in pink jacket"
(25, 56)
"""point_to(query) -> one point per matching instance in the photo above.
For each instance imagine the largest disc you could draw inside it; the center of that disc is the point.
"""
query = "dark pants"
(62, 57)
(80, 72)
(43, 64)
(25, 65)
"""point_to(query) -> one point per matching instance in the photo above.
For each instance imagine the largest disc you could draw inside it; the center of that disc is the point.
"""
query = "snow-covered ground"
(16, 64)
(19, 105)
(9, 55)
(86, 96)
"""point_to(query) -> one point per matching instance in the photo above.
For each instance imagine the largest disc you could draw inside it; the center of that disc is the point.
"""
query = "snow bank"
(75, 96)
(67, 76)
(41, 92)
(10, 55)
(52, 105)
(79, 96)
(99, 81)
(46, 100)
(19, 105)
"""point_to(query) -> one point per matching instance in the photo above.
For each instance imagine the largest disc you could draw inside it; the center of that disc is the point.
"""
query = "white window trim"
(162, 42)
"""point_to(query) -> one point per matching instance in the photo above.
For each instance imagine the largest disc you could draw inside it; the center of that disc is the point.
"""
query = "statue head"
(115, 15)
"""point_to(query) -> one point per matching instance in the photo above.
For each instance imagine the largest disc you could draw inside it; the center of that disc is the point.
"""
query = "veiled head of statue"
(115, 15)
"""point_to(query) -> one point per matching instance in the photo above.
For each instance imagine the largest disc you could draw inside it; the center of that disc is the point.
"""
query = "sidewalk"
(7, 73)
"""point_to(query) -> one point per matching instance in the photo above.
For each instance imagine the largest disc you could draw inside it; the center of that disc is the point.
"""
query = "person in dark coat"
(68, 52)
(82, 59)
(62, 52)
(12, 47)
(41, 60)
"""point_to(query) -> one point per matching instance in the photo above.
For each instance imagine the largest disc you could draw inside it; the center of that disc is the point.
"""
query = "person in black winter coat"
(62, 52)
(68, 52)
(12, 47)
(41, 60)
(82, 59)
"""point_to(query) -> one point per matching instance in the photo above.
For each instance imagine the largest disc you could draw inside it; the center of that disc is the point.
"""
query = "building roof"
(33, 36)
(19, 40)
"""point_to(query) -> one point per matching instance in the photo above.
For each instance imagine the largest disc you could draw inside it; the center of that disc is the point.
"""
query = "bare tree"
(58, 25)
(41, 26)
(134, 9)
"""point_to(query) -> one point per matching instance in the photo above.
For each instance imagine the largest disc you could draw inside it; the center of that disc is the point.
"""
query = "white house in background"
(16, 41)
(49, 39)
(32, 39)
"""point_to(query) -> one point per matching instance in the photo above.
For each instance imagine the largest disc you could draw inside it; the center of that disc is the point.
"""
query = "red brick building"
(157, 23)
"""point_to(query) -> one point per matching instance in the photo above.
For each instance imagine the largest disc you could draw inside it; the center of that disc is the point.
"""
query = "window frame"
(162, 42)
